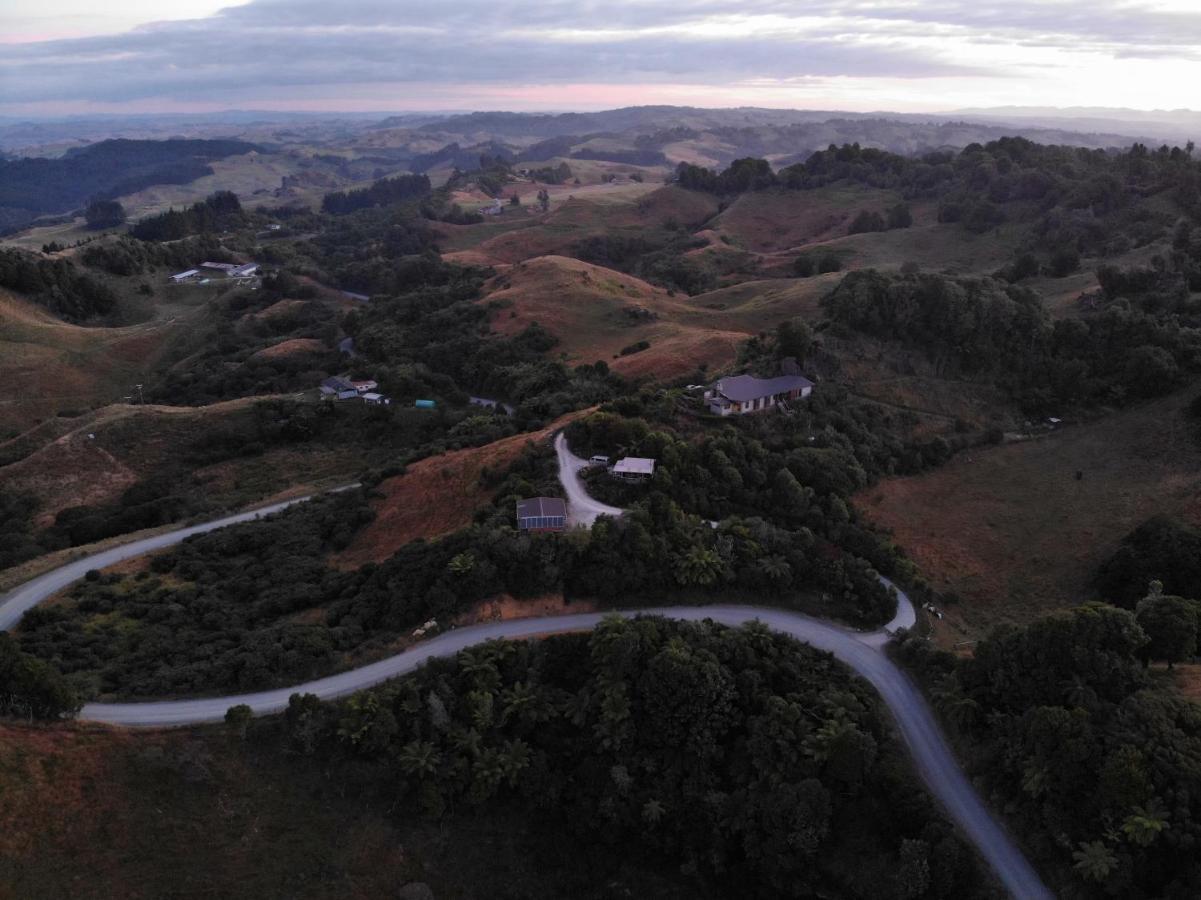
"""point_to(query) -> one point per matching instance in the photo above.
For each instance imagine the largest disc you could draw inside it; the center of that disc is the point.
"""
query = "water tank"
(425, 404)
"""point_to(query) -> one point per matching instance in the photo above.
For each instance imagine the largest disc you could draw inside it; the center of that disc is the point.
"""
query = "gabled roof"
(741, 388)
(541, 506)
(337, 383)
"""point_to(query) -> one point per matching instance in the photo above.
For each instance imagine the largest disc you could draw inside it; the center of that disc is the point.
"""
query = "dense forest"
(991, 329)
(385, 192)
(1098, 763)
(31, 689)
(57, 284)
(222, 211)
(33, 186)
(760, 765)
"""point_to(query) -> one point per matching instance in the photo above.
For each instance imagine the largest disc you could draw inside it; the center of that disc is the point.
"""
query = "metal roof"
(541, 506)
(634, 465)
(741, 388)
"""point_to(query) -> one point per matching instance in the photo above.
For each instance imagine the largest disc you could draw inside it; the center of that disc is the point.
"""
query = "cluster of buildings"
(209, 270)
(339, 388)
(737, 395)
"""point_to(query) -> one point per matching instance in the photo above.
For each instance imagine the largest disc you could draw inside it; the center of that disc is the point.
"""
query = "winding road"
(861, 651)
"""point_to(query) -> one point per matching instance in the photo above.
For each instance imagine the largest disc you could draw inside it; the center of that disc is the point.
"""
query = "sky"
(123, 56)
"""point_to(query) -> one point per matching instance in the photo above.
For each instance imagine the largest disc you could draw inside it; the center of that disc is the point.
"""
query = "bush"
(866, 221)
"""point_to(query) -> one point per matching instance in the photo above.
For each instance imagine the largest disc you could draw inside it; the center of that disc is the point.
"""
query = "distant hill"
(36, 186)
(784, 136)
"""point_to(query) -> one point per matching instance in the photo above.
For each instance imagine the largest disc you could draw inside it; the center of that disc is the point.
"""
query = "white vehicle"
(599, 460)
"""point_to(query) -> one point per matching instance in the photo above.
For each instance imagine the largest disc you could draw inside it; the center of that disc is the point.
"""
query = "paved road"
(934, 761)
(31, 593)
(932, 757)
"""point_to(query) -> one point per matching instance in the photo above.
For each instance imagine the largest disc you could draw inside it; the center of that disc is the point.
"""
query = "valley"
(796, 371)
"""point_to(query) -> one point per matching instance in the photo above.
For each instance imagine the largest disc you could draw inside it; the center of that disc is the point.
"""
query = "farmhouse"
(541, 514)
(741, 394)
(339, 388)
(633, 468)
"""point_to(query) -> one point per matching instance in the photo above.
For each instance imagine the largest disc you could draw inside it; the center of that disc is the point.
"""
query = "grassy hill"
(64, 367)
(596, 313)
(1013, 533)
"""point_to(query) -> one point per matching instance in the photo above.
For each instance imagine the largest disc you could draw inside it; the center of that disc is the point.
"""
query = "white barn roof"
(634, 465)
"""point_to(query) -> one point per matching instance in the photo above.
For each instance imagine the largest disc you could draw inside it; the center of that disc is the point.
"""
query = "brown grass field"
(1014, 534)
(576, 213)
(60, 366)
(436, 496)
(596, 312)
(93, 458)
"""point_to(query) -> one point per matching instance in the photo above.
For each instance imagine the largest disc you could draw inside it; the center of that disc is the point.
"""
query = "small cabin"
(541, 514)
(633, 468)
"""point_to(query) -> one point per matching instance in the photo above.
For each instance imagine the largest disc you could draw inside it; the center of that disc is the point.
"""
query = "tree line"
(57, 284)
(218, 212)
(985, 328)
(385, 192)
(1096, 762)
(757, 764)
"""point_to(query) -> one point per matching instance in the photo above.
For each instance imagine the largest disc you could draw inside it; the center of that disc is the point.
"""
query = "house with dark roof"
(541, 514)
(338, 388)
(738, 395)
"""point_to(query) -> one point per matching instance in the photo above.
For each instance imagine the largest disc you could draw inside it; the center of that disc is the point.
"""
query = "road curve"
(22, 599)
(932, 757)
(581, 508)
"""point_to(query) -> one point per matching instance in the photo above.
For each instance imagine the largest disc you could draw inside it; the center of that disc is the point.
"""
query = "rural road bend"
(33, 592)
(862, 652)
(581, 508)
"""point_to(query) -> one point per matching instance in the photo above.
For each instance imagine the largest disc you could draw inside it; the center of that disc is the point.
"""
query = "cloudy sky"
(70, 56)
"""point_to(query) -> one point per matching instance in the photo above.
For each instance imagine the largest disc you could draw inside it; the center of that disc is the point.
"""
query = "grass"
(60, 366)
(436, 496)
(93, 459)
(595, 312)
(1014, 534)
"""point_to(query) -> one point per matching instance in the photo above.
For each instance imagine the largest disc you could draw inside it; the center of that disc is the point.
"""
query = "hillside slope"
(596, 313)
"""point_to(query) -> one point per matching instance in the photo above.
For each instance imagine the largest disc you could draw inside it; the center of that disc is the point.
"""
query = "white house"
(185, 276)
(633, 468)
(741, 394)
